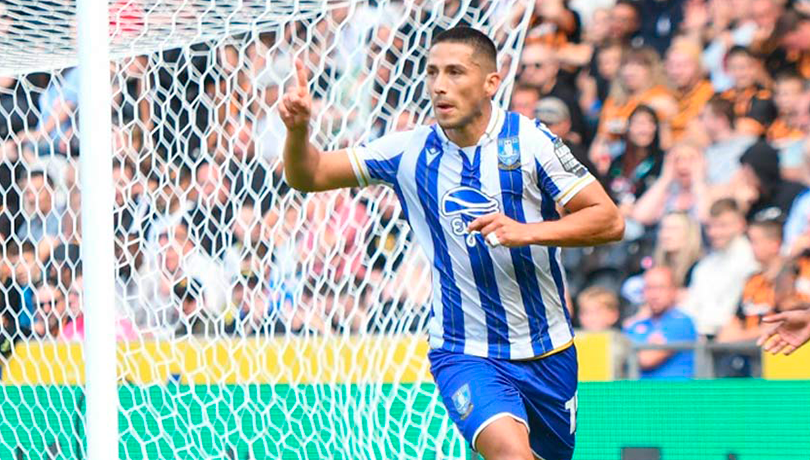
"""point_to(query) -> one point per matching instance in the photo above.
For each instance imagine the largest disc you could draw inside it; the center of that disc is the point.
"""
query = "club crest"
(463, 401)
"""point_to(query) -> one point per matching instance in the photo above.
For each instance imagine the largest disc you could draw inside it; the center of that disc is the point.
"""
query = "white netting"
(253, 321)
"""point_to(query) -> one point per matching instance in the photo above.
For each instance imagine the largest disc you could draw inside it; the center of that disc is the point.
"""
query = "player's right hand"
(785, 331)
(295, 107)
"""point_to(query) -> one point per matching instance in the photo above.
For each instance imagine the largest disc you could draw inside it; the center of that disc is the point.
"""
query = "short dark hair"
(771, 227)
(479, 41)
(741, 50)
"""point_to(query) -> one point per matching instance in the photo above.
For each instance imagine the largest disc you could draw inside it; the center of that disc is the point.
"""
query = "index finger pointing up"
(301, 74)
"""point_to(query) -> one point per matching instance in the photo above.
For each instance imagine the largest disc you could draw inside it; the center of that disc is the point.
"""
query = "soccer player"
(480, 189)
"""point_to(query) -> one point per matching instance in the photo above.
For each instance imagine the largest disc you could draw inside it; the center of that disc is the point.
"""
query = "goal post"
(224, 314)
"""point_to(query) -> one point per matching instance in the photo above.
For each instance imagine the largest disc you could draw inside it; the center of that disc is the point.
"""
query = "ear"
(492, 83)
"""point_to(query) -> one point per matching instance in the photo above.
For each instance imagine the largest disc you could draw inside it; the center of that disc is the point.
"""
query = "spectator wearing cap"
(662, 323)
(761, 187)
(718, 278)
(553, 113)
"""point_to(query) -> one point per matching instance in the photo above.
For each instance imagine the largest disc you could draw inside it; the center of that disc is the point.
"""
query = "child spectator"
(597, 309)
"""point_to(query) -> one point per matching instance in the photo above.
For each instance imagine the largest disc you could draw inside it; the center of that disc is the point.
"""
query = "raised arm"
(305, 166)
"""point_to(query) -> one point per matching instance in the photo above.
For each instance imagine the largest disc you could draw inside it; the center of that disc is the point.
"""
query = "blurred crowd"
(693, 114)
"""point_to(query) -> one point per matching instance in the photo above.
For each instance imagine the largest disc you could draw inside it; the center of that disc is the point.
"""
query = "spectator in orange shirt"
(785, 128)
(640, 81)
(759, 294)
(691, 88)
(753, 103)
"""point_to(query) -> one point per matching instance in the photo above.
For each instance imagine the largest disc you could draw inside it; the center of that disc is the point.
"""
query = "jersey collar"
(496, 120)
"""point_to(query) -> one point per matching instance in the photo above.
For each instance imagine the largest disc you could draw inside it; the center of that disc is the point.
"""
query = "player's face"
(459, 84)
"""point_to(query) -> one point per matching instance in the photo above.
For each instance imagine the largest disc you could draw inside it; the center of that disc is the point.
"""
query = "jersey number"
(571, 405)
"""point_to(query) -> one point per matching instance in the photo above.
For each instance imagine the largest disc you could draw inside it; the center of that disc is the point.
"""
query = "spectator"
(678, 247)
(524, 100)
(759, 296)
(661, 20)
(726, 145)
(251, 308)
(753, 103)
(680, 188)
(554, 24)
(625, 22)
(597, 309)
(724, 25)
(595, 85)
(641, 81)
(213, 213)
(554, 114)
(51, 313)
(637, 161)
(41, 218)
(761, 188)
(786, 128)
(193, 319)
(74, 327)
(718, 278)
(539, 70)
(663, 323)
(690, 87)
(58, 106)
(793, 30)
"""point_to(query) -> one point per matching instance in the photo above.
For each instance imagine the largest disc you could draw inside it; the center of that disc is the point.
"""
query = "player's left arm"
(592, 219)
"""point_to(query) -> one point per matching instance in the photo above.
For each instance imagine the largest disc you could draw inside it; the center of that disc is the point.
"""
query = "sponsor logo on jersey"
(464, 204)
(568, 160)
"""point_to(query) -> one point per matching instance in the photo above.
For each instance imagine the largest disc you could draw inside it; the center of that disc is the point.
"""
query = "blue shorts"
(540, 393)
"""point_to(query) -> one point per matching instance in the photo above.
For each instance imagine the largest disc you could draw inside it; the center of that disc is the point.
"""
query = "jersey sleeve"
(559, 173)
(378, 161)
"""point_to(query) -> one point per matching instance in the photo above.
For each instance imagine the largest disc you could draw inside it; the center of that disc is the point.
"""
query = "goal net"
(253, 321)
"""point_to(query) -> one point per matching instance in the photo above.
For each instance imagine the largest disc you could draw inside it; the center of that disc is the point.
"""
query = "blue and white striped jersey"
(490, 302)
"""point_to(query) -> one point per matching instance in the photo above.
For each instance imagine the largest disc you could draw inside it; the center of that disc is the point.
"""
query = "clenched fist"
(295, 107)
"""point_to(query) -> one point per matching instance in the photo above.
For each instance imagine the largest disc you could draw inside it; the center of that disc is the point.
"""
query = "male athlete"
(479, 189)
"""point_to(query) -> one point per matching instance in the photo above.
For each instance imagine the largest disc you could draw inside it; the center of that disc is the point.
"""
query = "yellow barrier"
(793, 367)
(349, 359)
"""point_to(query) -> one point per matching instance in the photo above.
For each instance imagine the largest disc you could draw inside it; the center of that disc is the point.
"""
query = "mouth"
(444, 107)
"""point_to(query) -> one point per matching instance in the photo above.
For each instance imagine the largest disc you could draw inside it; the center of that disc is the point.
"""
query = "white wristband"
(492, 240)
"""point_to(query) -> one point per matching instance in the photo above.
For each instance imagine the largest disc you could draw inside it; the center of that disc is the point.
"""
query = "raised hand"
(295, 108)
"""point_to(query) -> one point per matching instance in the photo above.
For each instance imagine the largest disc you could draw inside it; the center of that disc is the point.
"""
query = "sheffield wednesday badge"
(508, 154)
(463, 401)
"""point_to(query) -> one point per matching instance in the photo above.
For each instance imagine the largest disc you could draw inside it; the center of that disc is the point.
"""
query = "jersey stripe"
(384, 170)
(484, 271)
(512, 194)
(548, 210)
(427, 176)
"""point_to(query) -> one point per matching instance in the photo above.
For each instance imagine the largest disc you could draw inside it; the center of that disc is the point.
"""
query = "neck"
(772, 268)
(469, 134)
